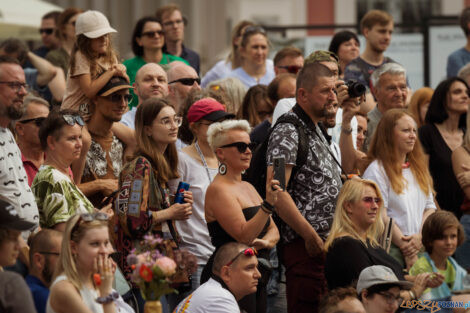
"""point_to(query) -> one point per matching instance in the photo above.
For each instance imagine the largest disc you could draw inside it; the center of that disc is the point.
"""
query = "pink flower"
(167, 265)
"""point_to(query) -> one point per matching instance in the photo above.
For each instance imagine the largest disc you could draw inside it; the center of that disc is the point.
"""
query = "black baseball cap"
(10, 219)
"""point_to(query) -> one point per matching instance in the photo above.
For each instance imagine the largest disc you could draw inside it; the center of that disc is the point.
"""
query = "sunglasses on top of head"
(241, 146)
(72, 119)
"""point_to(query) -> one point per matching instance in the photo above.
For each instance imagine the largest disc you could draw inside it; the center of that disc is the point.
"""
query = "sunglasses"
(72, 119)
(47, 31)
(246, 252)
(241, 146)
(38, 121)
(369, 200)
(151, 34)
(293, 69)
(187, 81)
(118, 98)
(253, 29)
(49, 253)
(88, 217)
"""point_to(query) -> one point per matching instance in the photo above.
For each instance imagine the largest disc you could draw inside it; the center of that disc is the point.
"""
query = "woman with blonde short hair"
(234, 211)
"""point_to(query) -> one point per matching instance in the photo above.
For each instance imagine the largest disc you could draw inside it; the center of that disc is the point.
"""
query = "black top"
(347, 257)
(189, 55)
(259, 134)
(220, 237)
(449, 195)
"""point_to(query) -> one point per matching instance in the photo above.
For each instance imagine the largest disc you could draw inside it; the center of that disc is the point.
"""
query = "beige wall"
(210, 21)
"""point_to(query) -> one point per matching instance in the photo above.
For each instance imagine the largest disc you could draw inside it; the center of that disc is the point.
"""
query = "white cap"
(93, 24)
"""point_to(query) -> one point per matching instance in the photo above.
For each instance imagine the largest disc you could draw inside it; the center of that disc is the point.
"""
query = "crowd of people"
(317, 184)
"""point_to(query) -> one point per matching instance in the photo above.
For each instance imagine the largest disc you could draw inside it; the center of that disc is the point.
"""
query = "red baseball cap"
(208, 109)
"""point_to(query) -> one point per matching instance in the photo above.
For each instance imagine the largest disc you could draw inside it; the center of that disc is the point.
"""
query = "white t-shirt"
(193, 231)
(128, 118)
(406, 208)
(14, 186)
(210, 297)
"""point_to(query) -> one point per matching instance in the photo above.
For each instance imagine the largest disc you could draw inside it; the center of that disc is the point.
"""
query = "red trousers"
(305, 278)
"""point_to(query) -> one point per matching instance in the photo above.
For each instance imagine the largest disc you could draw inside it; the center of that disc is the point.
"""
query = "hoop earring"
(222, 169)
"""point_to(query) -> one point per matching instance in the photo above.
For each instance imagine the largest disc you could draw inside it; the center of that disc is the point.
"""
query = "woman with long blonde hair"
(398, 166)
(353, 245)
(84, 274)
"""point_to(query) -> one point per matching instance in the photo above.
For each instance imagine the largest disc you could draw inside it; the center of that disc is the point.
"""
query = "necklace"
(198, 149)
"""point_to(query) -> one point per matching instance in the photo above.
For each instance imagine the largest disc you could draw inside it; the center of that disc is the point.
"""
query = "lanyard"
(203, 161)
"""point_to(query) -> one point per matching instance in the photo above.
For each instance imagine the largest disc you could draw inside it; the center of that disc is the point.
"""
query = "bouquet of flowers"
(157, 264)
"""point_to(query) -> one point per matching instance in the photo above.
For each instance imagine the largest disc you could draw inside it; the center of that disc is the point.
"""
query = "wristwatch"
(347, 131)
(109, 298)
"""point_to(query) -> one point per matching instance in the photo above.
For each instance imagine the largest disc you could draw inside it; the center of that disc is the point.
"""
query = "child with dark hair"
(441, 235)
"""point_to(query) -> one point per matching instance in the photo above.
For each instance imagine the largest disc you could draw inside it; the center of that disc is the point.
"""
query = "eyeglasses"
(72, 119)
(293, 69)
(88, 217)
(118, 98)
(371, 199)
(391, 298)
(175, 22)
(49, 253)
(47, 31)
(168, 121)
(187, 81)
(246, 252)
(38, 121)
(16, 85)
(241, 146)
(151, 34)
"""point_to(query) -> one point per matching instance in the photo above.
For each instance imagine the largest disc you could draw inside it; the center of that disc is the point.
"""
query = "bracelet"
(412, 295)
(268, 206)
(114, 295)
(346, 131)
(265, 210)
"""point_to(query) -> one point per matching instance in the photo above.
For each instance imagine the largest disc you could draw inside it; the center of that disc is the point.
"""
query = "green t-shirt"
(423, 266)
(57, 197)
(134, 64)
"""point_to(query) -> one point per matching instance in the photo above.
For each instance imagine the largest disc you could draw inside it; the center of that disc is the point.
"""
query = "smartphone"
(279, 168)
(182, 187)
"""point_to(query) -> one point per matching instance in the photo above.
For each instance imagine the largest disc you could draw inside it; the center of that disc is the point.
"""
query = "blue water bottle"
(182, 187)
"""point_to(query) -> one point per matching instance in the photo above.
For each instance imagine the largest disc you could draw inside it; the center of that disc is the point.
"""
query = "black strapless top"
(219, 236)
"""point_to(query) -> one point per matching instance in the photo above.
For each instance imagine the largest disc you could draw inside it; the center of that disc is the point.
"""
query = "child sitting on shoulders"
(92, 64)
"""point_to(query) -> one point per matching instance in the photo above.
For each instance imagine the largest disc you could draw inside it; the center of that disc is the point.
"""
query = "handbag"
(386, 240)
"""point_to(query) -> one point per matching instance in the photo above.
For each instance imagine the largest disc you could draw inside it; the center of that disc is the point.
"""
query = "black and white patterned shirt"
(316, 185)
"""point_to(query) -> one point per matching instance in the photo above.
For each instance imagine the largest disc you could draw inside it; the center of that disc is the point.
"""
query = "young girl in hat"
(92, 64)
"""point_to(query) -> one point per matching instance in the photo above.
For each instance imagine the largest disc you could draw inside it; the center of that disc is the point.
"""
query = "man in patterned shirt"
(104, 159)
(308, 206)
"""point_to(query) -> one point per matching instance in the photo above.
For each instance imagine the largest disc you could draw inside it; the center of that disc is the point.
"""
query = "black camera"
(355, 89)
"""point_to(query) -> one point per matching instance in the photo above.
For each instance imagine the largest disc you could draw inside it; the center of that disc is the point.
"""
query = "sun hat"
(93, 24)
(208, 109)
(114, 84)
(379, 275)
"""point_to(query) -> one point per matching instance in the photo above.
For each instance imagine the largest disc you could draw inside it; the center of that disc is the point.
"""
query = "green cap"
(321, 56)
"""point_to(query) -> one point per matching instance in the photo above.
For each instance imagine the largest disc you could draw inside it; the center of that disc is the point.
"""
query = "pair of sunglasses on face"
(293, 69)
(241, 146)
(246, 252)
(37, 120)
(187, 81)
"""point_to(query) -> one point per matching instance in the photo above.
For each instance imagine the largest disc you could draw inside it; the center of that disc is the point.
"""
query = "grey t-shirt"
(15, 295)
